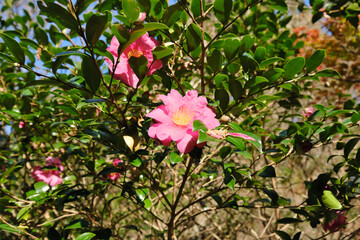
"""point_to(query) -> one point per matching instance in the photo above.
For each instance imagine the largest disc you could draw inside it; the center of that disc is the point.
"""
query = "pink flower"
(49, 176)
(142, 17)
(174, 119)
(244, 136)
(336, 223)
(115, 175)
(21, 124)
(308, 112)
(143, 46)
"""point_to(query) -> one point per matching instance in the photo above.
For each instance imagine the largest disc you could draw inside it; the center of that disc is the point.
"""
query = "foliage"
(60, 99)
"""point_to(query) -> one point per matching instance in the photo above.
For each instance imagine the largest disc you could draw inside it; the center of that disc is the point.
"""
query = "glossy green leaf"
(270, 61)
(172, 14)
(139, 66)
(199, 125)
(23, 213)
(41, 36)
(68, 109)
(247, 42)
(222, 9)
(349, 146)
(231, 47)
(175, 158)
(95, 27)
(279, 5)
(223, 97)
(315, 60)
(91, 73)
(294, 66)
(161, 51)
(327, 73)
(195, 7)
(288, 220)
(193, 37)
(41, 187)
(86, 236)
(236, 89)
(260, 54)
(131, 10)
(283, 235)
(6, 228)
(14, 47)
(330, 200)
(215, 60)
(268, 171)
(60, 14)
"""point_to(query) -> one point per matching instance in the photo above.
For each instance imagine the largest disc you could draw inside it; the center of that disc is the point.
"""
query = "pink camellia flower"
(115, 175)
(174, 119)
(308, 112)
(49, 176)
(336, 223)
(21, 124)
(143, 46)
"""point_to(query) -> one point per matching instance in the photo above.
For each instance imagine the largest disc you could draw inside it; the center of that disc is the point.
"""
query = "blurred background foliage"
(260, 63)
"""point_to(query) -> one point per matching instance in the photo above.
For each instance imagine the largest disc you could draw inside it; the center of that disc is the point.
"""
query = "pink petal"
(186, 144)
(159, 114)
(244, 136)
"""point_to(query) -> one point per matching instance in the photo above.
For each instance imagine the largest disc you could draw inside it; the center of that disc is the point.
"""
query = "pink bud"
(308, 112)
(21, 124)
(142, 17)
(336, 223)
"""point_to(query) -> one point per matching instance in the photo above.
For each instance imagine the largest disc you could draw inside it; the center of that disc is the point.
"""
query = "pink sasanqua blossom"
(174, 119)
(308, 112)
(143, 46)
(334, 225)
(115, 175)
(49, 176)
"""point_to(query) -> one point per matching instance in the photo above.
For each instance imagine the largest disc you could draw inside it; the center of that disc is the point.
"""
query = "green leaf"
(195, 7)
(289, 220)
(91, 73)
(68, 109)
(293, 67)
(8, 100)
(8, 228)
(131, 10)
(315, 60)
(231, 47)
(330, 200)
(283, 235)
(79, 223)
(236, 89)
(86, 236)
(193, 37)
(44, 83)
(23, 213)
(268, 171)
(172, 14)
(199, 125)
(139, 66)
(260, 54)
(156, 9)
(349, 146)
(137, 162)
(162, 51)
(223, 97)
(41, 187)
(270, 61)
(41, 36)
(247, 42)
(327, 73)
(14, 47)
(175, 158)
(95, 27)
(60, 14)
(215, 60)
(279, 5)
(222, 9)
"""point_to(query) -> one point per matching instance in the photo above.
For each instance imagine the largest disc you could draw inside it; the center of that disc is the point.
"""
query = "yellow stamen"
(182, 117)
(134, 53)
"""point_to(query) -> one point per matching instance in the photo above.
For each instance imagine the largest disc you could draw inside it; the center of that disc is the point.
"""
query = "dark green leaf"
(193, 37)
(172, 14)
(283, 235)
(315, 60)
(139, 66)
(8, 100)
(236, 89)
(260, 54)
(41, 36)
(161, 52)
(270, 61)
(327, 73)
(91, 73)
(247, 42)
(222, 9)
(95, 27)
(215, 60)
(53, 234)
(14, 47)
(231, 47)
(56, 12)
(195, 7)
(350, 146)
(293, 67)
(289, 220)
(223, 97)
(268, 171)
(131, 10)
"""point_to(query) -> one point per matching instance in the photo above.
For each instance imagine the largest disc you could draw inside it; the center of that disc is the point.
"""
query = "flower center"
(183, 116)
(134, 53)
